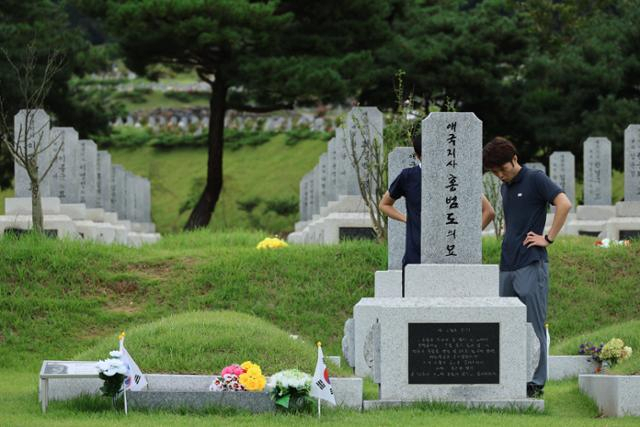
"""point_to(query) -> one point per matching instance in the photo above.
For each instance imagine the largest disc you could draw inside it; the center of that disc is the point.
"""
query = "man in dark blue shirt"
(524, 267)
(409, 185)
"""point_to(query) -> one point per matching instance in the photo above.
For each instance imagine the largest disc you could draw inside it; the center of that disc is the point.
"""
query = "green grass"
(205, 342)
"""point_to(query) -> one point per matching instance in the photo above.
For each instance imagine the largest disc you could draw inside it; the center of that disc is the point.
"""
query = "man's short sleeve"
(547, 189)
(397, 187)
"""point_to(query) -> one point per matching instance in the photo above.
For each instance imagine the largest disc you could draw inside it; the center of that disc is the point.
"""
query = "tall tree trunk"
(37, 216)
(201, 214)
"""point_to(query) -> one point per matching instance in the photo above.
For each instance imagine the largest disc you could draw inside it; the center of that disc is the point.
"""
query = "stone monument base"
(75, 211)
(60, 225)
(595, 212)
(513, 404)
(628, 209)
(621, 228)
(22, 206)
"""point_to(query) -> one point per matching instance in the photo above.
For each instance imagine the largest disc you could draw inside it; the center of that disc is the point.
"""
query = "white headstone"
(323, 165)
(87, 173)
(103, 197)
(632, 163)
(332, 164)
(130, 196)
(597, 171)
(562, 171)
(35, 124)
(400, 158)
(64, 172)
(451, 189)
(536, 166)
(118, 196)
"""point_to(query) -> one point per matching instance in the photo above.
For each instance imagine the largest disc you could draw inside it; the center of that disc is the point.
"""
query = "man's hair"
(416, 140)
(498, 152)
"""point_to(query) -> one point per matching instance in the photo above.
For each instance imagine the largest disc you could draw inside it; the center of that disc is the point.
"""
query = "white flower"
(115, 353)
(110, 367)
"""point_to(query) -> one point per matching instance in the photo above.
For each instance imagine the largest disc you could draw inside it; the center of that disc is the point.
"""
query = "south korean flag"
(320, 385)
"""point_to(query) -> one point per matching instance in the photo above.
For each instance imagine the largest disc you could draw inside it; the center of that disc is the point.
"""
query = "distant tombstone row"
(82, 174)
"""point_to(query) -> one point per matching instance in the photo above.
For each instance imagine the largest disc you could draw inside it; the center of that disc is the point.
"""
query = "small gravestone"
(332, 164)
(35, 123)
(364, 132)
(103, 199)
(451, 189)
(597, 171)
(118, 196)
(147, 201)
(562, 172)
(130, 196)
(536, 166)
(323, 196)
(317, 179)
(87, 174)
(303, 202)
(632, 163)
(400, 158)
(63, 172)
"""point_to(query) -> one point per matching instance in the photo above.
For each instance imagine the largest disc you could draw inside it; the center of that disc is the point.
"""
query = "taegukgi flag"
(320, 385)
(135, 379)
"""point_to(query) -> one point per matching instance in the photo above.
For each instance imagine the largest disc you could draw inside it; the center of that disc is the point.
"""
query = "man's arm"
(487, 212)
(563, 206)
(387, 208)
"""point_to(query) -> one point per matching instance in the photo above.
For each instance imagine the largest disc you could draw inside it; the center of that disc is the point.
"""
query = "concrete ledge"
(617, 225)
(253, 402)
(451, 280)
(595, 212)
(561, 367)
(615, 395)
(95, 214)
(628, 209)
(62, 224)
(388, 284)
(589, 227)
(75, 211)
(22, 206)
(516, 404)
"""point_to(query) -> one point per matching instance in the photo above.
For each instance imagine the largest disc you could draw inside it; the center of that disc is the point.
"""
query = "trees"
(255, 55)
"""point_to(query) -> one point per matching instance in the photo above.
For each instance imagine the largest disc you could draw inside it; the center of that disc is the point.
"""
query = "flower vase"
(604, 367)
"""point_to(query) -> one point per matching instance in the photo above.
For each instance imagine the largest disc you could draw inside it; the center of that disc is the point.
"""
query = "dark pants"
(531, 285)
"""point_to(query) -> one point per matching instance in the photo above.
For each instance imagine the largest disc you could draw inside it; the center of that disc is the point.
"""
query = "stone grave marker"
(36, 125)
(451, 189)
(632, 163)
(64, 171)
(562, 172)
(118, 196)
(597, 171)
(130, 196)
(103, 197)
(364, 133)
(87, 174)
(332, 163)
(324, 179)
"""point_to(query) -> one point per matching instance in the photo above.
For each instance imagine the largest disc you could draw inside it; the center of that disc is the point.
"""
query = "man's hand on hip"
(534, 239)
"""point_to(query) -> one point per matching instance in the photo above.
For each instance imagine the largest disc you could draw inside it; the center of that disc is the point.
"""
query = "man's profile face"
(507, 171)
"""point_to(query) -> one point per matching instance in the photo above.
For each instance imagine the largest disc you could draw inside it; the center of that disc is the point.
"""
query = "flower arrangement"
(615, 351)
(606, 243)
(589, 349)
(290, 389)
(245, 377)
(272, 243)
(113, 371)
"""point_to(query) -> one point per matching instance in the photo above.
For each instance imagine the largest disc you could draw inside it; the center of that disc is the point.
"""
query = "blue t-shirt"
(525, 200)
(409, 185)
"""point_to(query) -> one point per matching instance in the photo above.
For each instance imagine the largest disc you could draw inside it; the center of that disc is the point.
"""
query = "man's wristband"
(546, 237)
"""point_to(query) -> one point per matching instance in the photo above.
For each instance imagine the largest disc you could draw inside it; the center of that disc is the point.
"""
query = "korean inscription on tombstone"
(597, 171)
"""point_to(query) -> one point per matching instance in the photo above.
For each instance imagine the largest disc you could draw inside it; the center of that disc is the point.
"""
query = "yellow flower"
(253, 380)
(272, 243)
(247, 365)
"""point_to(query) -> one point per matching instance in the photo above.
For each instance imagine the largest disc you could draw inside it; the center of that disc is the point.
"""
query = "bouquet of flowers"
(272, 243)
(245, 377)
(290, 389)
(606, 243)
(615, 351)
(588, 349)
(113, 371)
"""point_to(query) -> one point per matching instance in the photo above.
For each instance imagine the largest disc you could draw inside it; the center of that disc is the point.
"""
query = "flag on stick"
(135, 378)
(320, 385)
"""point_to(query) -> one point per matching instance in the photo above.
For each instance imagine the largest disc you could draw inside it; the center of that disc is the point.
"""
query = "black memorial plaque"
(454, 353)
(355, 233)
(629, 234)
(588, 233)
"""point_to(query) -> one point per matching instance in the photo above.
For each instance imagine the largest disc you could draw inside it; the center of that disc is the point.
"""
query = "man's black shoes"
(534, 391)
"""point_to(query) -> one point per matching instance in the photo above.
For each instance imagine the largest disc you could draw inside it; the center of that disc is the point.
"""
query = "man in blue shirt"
(524, 267)
(409, 185)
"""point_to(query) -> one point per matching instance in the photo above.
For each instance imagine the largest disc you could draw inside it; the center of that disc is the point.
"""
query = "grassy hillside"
(58, 298)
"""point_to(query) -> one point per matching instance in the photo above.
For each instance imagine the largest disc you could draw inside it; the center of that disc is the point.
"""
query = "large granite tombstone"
(451, 189)
(317, 182)
(34, 125)
(103, 197)
(632, 163)
(597, 171)
(130, 196)
(323, 172)
(562, 171)
(87, 173)
(400, 158)
(536, 166)
(332, 168)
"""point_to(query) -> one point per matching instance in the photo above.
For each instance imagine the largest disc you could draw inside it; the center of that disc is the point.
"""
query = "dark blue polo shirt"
(525, 200)
(409, 185)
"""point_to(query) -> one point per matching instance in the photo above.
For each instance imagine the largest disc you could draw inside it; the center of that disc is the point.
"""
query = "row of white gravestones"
(335, 174)
(81, 173)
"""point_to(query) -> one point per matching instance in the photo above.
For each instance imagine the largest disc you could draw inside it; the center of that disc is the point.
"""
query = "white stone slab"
(562, 166)
(615, 395)
(388, 284)
(62, 224)
(628, 209)
(451, 280)
(632, 163)
(597, 171)
(395, 314)
(75, 211)
(562, 367)
(595, 213)
(34, 125)
(95, 214)
(22, 205)
(616, 227)
(345, 204)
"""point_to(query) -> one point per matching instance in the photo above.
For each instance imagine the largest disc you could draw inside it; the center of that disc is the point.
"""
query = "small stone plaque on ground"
(352, 233)
(629, 234)
(454, 353)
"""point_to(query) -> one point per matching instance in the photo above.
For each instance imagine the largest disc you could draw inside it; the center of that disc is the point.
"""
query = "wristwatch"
(546, 237)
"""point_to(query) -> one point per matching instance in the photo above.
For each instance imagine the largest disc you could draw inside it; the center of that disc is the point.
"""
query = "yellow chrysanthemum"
(272, 243)
(252, 382)
(247, 365)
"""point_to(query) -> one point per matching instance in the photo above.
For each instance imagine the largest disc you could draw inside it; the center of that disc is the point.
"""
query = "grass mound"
(204, 342)
(629, 332)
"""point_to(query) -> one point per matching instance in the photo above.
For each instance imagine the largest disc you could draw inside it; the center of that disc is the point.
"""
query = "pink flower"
(232, 369)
